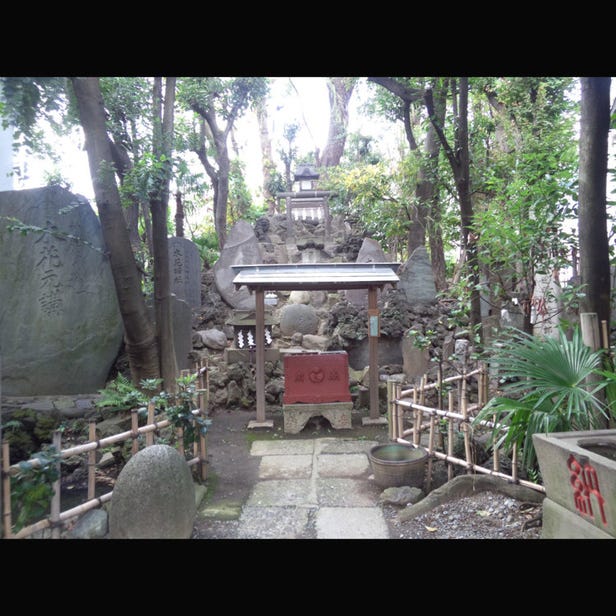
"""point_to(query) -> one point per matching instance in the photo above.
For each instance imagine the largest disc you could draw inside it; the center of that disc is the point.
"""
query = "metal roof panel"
(298, 276)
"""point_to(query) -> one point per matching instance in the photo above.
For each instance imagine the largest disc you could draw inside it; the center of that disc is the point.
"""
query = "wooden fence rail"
(57, 518)
(398, 400)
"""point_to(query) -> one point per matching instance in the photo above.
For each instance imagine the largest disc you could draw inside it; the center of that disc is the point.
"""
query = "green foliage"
(240, 205)
(553, 385)
(30, 102)
(121, 395)
(207, 243)
(366, 194)
(178, 409)
(525, 181)
(31, 487)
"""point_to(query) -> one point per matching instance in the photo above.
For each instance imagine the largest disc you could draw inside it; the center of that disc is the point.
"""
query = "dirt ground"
(232, 473)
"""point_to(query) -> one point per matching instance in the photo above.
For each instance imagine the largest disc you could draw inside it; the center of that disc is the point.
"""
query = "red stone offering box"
(316, 378)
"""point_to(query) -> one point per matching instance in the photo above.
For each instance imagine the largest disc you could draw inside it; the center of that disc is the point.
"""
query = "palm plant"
(551, 385)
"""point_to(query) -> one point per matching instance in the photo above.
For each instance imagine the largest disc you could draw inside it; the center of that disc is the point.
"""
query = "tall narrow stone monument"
(185, 270)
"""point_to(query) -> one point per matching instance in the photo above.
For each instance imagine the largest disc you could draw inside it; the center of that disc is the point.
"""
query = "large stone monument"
(60, 326)
(417, 279)
(241, 248)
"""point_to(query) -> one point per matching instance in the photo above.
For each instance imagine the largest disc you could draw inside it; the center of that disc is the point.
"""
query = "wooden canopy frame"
(315, 276)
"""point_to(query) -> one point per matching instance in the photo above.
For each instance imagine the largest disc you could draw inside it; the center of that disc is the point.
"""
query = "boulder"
(241, 248)
(153, 497)
(60, 324)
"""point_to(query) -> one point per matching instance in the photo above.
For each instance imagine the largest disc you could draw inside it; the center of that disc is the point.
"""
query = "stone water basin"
(579, 475)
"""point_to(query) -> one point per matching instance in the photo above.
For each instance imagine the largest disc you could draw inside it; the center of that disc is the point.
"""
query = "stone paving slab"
(286, 467)
(283, 493)
(277, 448)
(343, 492)
(351, 523)
(275, 523)
(342, 465)
(313, 488)
(344, 446)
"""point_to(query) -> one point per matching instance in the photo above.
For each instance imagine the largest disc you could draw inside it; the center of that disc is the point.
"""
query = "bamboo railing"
(57, 519)
(398, 400)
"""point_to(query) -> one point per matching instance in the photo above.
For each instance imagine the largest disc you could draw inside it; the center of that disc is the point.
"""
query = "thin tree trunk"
(592, 219)
(458, 157)
(340, 90)
(267, 163)
(179, 215)
(162, 147)
(139, 336)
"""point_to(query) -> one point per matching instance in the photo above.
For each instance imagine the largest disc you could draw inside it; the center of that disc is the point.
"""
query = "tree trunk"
(592, 219)
(267, 162)
(426, 216)
(159, 198)
(340, 91)
(139, 337)
(458, 157)
(179, 215)
(428, 190)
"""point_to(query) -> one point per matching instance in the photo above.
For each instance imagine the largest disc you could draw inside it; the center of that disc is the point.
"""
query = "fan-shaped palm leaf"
(552, 385)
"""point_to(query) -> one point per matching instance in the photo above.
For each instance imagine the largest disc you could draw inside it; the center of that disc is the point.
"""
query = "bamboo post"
(439, 386)
(415, 401)
(514, 464)
(496, 454)
(91, 461)
(466, 428)
(398, 410)
(450, 438)
(418, 412)
(203, 387)
(390, 409)
(6, 492)
(180, 437)
(430, 449)
(149, 437)
(590, 329)
(202, 457)
(134, 426)
(54, 517)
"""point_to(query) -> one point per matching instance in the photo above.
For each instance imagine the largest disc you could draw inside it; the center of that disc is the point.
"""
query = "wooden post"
(180, 436)
(91, 461)
(399, 411)
(373, 349)
(260, 353)
(590, 330)
(54, 517)
(390, 409)
(6, 492)
(465, 427)
(134, 426)
(149, 436)
(450, 438)
(430, 450)
(604, 336)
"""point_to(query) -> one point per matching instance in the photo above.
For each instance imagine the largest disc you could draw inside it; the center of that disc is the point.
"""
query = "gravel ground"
(485, 515)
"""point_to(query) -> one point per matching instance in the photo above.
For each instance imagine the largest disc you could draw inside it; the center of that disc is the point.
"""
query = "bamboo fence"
(412, 400)
(57, 519)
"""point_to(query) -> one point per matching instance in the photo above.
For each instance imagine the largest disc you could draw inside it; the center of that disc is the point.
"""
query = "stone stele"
(60, 325)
